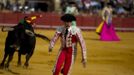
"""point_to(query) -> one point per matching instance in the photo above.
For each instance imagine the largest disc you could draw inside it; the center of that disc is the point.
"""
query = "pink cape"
(108, 33)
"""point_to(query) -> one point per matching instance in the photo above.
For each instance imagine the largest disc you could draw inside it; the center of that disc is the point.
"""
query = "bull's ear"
(6, 29)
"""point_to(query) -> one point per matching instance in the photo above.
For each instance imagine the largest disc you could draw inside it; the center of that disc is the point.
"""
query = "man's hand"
(84, 63)
(50, 49)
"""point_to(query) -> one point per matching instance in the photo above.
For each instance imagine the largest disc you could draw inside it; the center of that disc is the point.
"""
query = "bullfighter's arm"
(83, 46)
(54, 39)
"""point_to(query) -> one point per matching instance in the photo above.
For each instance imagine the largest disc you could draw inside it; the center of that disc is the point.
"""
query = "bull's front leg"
(26, 64)
(19, 59)
(9, 60)
(3, 61)
(28, 56)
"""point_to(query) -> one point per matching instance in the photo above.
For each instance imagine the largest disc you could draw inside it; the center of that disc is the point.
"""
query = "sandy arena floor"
(104, 58)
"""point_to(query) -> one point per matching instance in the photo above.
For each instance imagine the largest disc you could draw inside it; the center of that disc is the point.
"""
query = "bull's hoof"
(6, 66)
(26, 65)
(1, 66)
(19, 64)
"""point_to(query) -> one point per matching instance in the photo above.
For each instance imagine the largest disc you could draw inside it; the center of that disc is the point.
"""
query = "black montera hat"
(68, 18)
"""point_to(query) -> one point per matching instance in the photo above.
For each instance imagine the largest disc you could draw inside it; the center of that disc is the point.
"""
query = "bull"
(21, 39)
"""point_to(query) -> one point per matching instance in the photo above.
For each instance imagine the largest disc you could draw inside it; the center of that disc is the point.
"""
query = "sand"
(103, 58)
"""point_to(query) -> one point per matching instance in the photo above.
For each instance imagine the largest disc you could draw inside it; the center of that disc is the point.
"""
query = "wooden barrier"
(51, 20)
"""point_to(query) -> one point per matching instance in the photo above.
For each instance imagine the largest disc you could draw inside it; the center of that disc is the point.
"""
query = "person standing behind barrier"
(71, 9)
(107, 31)
(69, 39)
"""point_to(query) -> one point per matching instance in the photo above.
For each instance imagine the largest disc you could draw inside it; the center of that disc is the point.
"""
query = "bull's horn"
(5, 29)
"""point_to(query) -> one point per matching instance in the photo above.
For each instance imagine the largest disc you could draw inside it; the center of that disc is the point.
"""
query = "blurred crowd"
(120, 7)
(91, 7)
(16, 6)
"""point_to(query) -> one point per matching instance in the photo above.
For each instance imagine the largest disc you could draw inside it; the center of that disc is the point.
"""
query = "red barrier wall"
(52, 19)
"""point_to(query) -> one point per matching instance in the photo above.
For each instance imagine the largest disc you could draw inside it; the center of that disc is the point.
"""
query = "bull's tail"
(42, 37)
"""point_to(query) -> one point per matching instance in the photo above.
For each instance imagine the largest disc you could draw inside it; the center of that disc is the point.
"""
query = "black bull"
(23, 40)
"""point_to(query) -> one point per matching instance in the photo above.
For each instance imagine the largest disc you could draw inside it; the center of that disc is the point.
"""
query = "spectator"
(71, 9)
(8, 5)
(79, 5)
(1, 6)
(86, 5)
